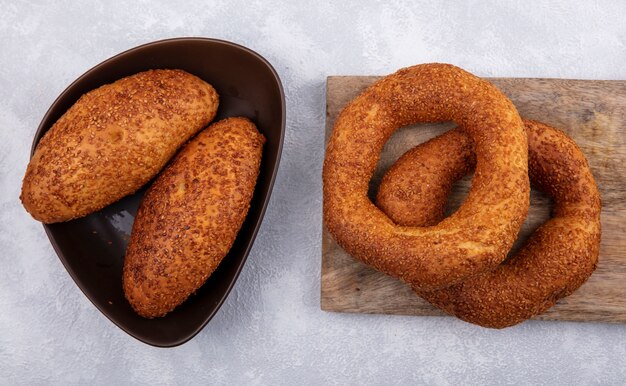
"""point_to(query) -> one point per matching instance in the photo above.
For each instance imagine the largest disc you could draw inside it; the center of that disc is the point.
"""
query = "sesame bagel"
(190, 216)
(112, 141)
(478, 236)
(555, 261)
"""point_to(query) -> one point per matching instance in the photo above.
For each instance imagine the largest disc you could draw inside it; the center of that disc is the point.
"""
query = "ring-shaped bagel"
(556, 260)
(478, 236)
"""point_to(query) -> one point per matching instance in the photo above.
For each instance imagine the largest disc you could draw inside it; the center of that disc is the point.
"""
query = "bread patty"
(112, 141)
(191, 215)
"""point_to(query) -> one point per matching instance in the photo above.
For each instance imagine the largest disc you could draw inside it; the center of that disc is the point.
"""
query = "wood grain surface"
(592, 112)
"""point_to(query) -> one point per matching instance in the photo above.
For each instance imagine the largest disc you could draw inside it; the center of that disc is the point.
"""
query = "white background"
(271, 329)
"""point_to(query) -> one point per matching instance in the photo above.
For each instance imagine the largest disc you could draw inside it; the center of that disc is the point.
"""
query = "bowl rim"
(38, 135)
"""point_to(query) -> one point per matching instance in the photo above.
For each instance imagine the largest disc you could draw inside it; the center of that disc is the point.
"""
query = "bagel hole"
(539, 212)
(403, 140)
(460, 190)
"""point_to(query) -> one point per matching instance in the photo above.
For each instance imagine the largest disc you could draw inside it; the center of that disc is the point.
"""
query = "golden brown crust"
(190, 216)
(112, 141)
(478, 236)
(556, 260)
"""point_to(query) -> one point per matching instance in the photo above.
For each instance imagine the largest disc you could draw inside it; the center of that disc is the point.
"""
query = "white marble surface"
(271, 330)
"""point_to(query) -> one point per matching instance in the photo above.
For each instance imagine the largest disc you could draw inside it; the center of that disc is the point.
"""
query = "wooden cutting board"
(592, 112)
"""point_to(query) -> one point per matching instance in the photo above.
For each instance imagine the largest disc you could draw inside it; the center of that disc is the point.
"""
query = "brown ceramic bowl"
(92, 248)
